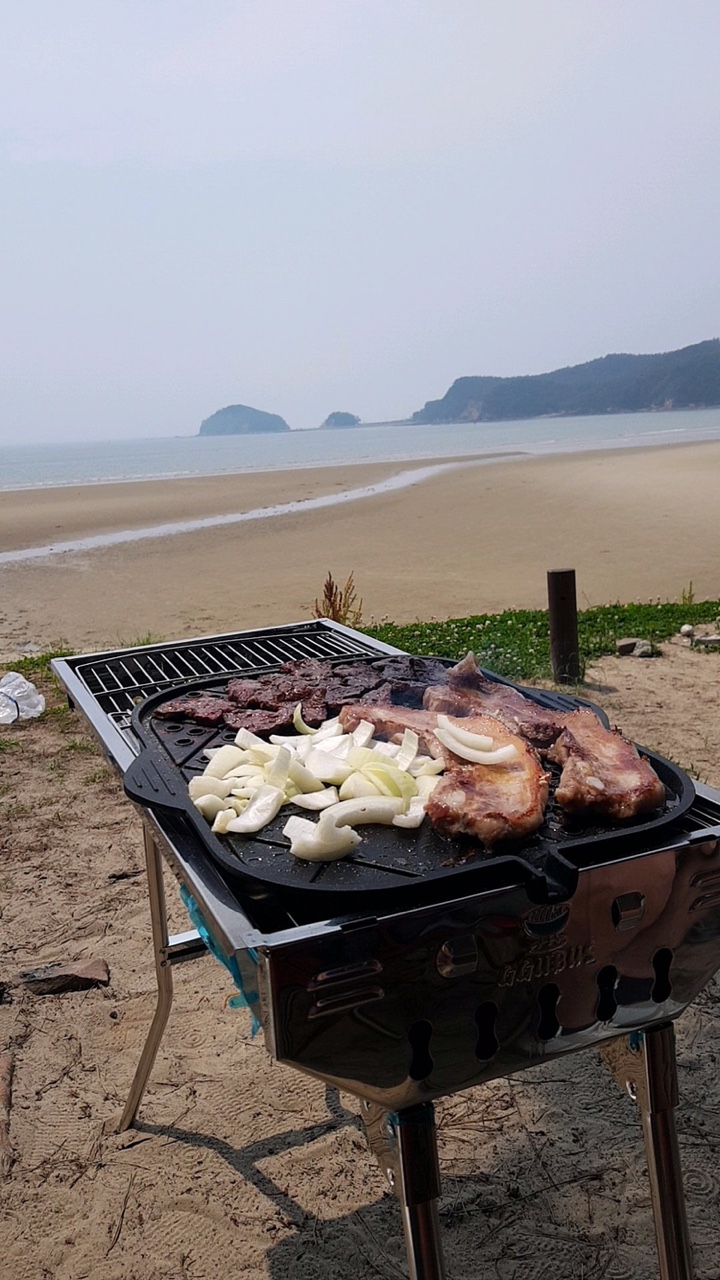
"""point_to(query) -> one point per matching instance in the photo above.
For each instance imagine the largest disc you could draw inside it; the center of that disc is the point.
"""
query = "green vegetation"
(340, 419)
(38, 666)
(685, 379)
(241, 420)
(516, 643)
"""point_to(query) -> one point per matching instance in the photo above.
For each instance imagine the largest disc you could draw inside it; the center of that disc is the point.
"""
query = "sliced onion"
(362, 733)
(276, 771)
(408, 749)
(225, 759)
(263, 807)
(414, 816)
(304, 780)
(391, 781)
(244, 738)
(424, 765)
(502, 756)
(349, 813)
(426, 784)
(328, 729)
(317, 799)
(309, 842)
(244, 771)
(205, 785)
(358, 785)
(210, 805)
(339, 745)
(478, 741)
(327, 767)
(223, 820)
(298, 721)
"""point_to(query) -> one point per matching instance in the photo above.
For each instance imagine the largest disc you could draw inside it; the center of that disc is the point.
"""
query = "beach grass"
(516, 643)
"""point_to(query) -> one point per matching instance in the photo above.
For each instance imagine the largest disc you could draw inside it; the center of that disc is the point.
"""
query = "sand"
(635, 524)
(240, 1167)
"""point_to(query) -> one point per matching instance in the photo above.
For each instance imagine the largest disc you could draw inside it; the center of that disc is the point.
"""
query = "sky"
(314, 205)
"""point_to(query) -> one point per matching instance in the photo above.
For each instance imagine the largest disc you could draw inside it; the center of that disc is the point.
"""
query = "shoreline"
(462, 538)
(136, 533)
(507, 448)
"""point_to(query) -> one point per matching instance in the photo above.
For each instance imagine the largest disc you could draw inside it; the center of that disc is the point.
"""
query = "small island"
(241, 420)
(339, 419)
(684, 379)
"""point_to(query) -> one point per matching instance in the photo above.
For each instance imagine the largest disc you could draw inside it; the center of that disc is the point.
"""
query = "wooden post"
(562, 609)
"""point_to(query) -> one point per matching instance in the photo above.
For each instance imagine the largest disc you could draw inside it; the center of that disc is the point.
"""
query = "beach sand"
(635, 524)
(243, 1167)
(240, 1165)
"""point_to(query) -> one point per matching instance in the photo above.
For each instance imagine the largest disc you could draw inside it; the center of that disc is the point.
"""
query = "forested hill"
(240, 420)
(685, 379)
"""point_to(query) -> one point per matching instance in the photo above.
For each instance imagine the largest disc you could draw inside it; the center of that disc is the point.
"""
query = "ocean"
(98, 462)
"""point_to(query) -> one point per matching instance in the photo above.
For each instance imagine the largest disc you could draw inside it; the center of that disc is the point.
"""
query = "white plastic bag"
(19, 699)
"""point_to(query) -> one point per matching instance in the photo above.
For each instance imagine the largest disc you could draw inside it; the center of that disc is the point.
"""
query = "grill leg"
(405, 1144)
(163, 970)
(644, 1064)
(663, 1154)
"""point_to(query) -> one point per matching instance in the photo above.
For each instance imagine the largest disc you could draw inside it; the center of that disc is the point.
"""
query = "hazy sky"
(308, 205)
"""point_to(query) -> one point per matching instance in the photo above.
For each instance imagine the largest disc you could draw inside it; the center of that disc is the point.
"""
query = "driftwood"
(7, 1065)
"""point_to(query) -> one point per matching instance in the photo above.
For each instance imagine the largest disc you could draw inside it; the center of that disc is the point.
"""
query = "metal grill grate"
(118, 681)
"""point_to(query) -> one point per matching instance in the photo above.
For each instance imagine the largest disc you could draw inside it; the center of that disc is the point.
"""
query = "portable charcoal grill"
(413, 996)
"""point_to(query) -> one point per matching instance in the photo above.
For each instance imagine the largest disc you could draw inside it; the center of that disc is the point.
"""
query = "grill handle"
(151, 782)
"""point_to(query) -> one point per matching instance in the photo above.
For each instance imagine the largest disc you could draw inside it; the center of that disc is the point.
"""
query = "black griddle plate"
(391, 865)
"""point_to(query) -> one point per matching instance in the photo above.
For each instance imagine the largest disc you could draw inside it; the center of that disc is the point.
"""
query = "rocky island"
(340, 419)
(241, 420)
(684, 379)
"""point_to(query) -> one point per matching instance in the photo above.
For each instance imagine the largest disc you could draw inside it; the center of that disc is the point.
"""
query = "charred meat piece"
(339, 693)
(311, 670)
(602, 772)
(259, 698)
(340, 696)
(314, 708)
(201, 709)
(390, 723)
(271, 691)
(258, 721)
(410, 669)
(490, 802)
(468, 691)
(602, 776)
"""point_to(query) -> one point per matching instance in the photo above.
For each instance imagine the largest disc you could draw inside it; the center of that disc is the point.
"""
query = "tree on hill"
(340, 419)
(685, 379)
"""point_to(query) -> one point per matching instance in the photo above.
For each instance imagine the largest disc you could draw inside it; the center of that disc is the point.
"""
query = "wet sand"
(636, 524)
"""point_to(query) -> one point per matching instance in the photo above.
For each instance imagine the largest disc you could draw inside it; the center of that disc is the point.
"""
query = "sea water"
(102, 461)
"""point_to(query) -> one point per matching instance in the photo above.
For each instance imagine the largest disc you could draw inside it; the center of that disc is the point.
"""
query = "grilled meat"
(468, 691)
(203, 709)
(490, 802)
(257, 720)
(603, 774)
(390, 723)
(265, 704)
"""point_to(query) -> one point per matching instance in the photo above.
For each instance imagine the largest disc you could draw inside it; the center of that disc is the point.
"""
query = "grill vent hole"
(661, 964)
(607, 1004)
(486, 1045)
(421, 1063)
(548, 997)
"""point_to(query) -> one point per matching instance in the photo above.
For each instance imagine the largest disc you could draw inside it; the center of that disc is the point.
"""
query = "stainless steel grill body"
(401, 1007)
